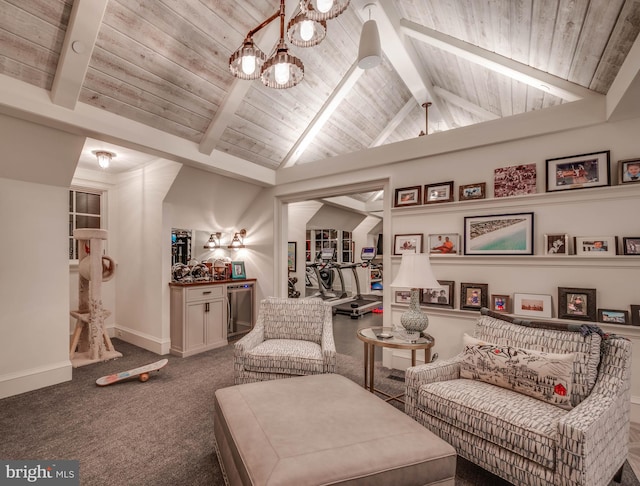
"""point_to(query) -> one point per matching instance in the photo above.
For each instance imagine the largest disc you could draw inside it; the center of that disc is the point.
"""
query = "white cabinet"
(198, 318)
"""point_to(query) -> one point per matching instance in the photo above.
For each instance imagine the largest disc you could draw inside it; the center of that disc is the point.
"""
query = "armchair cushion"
(545, 376)
(287, 319)
(285, 356)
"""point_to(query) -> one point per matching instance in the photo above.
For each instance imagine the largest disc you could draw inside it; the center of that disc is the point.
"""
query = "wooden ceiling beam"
(465, 104)
(533, 77)
(623, 98)
(394, 123)
(79, 41)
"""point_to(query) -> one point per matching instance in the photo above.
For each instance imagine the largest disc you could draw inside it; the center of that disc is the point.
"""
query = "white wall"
(34, 290)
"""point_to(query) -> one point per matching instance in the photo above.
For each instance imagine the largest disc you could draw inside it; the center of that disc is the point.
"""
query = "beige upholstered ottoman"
(323, 429)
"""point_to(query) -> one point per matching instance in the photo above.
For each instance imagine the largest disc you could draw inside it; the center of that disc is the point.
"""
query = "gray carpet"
(155, 433)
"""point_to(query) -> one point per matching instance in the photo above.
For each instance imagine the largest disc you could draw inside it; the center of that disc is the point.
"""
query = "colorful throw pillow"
(545, 376)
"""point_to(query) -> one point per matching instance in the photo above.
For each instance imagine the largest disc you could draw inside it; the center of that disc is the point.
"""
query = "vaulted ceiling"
(153, 74)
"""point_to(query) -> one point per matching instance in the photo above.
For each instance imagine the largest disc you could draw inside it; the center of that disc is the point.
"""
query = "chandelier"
(307, 28)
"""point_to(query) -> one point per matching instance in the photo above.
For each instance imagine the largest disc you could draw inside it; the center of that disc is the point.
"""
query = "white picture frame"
(532, 305)
(596, 246)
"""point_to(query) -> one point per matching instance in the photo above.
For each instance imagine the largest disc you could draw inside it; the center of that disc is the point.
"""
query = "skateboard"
(142, 373)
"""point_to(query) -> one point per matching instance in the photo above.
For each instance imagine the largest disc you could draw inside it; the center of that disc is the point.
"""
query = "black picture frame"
(613, 316)
(438, 193)
(578, 171)
(473, 296)
(577, 303)
(442, 296)
(499, 234)
(292, 252)
(635, 314)
(625, 176)
(631, 245)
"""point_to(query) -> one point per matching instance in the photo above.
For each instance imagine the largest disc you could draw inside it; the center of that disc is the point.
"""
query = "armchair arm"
(448, 369)
(593, 437)
(327, 344)
(247, 342)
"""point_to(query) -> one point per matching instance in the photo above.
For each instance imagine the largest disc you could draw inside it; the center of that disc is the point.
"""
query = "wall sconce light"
(238, 240)
(214, 241)
(104, 158)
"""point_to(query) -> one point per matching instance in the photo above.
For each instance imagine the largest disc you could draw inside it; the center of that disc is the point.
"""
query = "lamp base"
(414, 320)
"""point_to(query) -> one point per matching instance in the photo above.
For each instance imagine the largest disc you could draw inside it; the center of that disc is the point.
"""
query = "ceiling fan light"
(323, 9)
(369, 51)
(247, 61)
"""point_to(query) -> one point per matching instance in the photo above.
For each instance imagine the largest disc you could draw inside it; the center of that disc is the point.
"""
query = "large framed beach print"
(499, 234)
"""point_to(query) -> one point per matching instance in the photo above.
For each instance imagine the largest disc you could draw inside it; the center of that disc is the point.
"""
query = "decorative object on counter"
(516, 180)
(238, 240)
(631, 245)
(220, 269)
(180, 273)
(438, 193)
(473, 296)
(501, 303)
(556, 244)
(213, 242)
(415, 273)
(576, 303)
(408, 196)
(403, 244)
(499, 234)
(468, 192)
(532, 305)
(200, 272)
(441, 296)
(237, 270)
(611, 316)
(596, 246)
(90, 342)
(578, 171)
(628, 171)
(444, 244)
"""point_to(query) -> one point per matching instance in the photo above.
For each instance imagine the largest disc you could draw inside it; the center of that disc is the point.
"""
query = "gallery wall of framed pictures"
(555, 253)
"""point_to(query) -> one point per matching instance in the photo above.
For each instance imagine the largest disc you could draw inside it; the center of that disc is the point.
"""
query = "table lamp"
(415, 273)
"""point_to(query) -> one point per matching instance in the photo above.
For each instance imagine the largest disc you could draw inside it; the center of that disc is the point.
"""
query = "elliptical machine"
(322, 271)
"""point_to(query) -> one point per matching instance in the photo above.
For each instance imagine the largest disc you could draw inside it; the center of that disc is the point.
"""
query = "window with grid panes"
(85, 211)
(347, 247)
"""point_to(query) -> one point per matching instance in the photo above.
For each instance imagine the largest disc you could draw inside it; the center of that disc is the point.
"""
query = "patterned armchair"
(292, 337)
(529, 426)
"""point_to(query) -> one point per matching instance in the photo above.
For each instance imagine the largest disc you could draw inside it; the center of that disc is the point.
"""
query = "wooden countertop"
(210, 282)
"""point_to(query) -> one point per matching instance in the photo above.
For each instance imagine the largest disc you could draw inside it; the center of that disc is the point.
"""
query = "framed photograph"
(237, 270)
(402, 296)
(631, 245)
(407, 244)
(291, 256)
(408, 196)
(596, 246)
(635, 315)
(472, 191)
(444, 244)
(500, 234)
(628, 171)
(500, 303)
(556, 244)
(576, 303)
(532, 305)
(578, 171)
(438, 193)
(516, 180)
(439, 296)
(473, 296)
(611, 316)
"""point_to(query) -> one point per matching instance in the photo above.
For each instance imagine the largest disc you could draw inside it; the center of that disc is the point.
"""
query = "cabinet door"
(216, 322)
(195, 326)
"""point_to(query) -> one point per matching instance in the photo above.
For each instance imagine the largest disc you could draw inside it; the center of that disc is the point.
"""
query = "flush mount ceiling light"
(104, 158)
(369, 50)
(282, 69)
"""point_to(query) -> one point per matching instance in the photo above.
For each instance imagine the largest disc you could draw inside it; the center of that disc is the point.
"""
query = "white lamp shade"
(369, 52)
(415, 272)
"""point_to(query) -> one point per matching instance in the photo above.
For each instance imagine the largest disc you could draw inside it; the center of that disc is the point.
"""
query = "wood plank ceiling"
(164, 63)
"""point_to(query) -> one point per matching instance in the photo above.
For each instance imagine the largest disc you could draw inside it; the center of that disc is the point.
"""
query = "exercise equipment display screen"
(368, 253)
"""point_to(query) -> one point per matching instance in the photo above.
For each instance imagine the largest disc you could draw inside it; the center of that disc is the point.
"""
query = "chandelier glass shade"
(282, 69)
(104, 158)
(323, 9)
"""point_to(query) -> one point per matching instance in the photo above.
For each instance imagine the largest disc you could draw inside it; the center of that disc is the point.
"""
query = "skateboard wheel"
(144, 377)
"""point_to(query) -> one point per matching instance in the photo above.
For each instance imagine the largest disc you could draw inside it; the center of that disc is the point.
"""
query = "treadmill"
(360, 304)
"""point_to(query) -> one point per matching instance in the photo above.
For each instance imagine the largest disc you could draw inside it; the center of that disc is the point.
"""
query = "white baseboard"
(34, 378)
(140, 339)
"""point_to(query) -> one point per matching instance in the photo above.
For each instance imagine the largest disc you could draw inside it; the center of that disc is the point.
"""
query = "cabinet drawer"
(205, 293)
